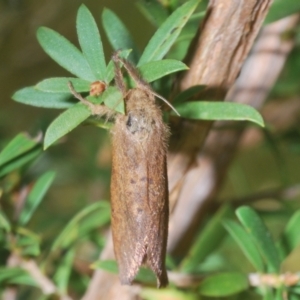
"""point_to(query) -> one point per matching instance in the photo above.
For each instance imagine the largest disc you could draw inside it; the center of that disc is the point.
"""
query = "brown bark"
(204, 180)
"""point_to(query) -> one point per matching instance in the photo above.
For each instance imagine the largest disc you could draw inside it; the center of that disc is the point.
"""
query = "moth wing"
(159, 209)
(130, 212)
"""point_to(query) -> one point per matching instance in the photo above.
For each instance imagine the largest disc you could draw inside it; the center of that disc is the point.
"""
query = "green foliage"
(224, 284)
(89, 65)
(167, 33)
(66, 122)
(244, 241)
(219, 111)
(56, 256)
(118, 35)
(174, 294)
(260, 236)
(90, 42)
(17, 153)
(90, 217)
(35, 196)
(144, 275)
(32, 96)
(281, 9)
(207, 240)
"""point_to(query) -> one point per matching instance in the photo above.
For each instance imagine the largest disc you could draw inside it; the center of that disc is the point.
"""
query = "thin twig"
(44, 283)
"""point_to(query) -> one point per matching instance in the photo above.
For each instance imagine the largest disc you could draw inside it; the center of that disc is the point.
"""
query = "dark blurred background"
(82, 158)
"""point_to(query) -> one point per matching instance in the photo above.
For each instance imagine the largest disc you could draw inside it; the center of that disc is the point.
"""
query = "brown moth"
(139, 185)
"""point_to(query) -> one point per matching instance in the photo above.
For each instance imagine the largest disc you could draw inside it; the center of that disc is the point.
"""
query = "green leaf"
(34, 97)
(19, 145)
(281, 9)
(290, 237)
(36, 196)
(156, 69)
(71, 232)
(113, 99)
(64, 53)
(246, 244)
(167, 33)
(110, 70)
(117, 33)
(66, 122)
(63, 272)
(107, 265)
(205, 110)
(188, 93)
(27, 242)
(256, 228)
(207, 241)
(224, 284)
(4, 223)
(90, 42)
(60, 85)
(154, 11)
(167, 294)
(144, 275)
(20, 161)
(16, 276)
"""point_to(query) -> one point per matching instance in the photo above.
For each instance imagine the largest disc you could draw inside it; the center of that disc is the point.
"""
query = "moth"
(139, 184)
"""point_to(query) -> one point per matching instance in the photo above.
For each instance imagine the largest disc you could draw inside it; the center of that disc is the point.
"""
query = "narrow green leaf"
(70, 233)
(107, 265)
(207, 241)
(267, 293)
(17, 146)
(110, 70)
(28, 243)
(188, 94)
(246, 244)
(113, 99)
(34, 97)
(66, 122)
(63, 272)
(156, 69)
(4, 223)
(154, 11)
(281, 9)
(290, 237)
(117, 34)
(167, 294)
(224, 284)
(64, 53)
(15, 276)
(36, 196)
(21, 160)
(144, 275)
(167, 33)
(90, 42)
(260, 235)
(60, 85)
(225, 111)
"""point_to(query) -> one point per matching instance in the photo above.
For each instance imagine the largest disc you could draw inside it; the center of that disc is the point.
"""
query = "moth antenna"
(119, 80)
(136, 77)
(77, 95)
(167, 102)
(132, 71)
